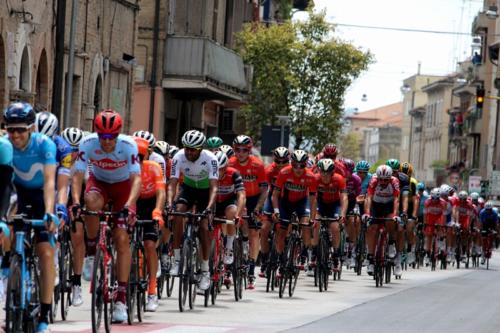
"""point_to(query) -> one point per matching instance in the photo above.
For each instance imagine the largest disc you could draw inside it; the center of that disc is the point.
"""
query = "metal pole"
(282, 134)
(59, 59)
(153, 82)
(71, 65)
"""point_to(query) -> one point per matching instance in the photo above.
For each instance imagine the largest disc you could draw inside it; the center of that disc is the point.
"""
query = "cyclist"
(422, 197)
(151, 203)
(200, 170)
(34, 163)
(489, 219)
(330, 151)
(413, 205)
(253, 172)
(332, 202)
(446, 192)
(214, 143)
(382, 201)
(463, 212)
(434, 211)
(295, 192)
(228, 150)
(353, 187)
(404, 188)
(230, 201)
(153, 156)
(6, 173)
(162, 148)
(281, 159)
(362, 168)
(116, 176)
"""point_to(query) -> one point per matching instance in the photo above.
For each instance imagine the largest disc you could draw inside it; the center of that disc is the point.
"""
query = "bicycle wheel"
(133, 282)
(282, 283)
(98, 287)
(193, 279)
(111, 286)
(294, 270)
(142, 285)
(13, 311)
(65, 280)
(359, 253)
(184, 263)
(236, 269)
(388, 272)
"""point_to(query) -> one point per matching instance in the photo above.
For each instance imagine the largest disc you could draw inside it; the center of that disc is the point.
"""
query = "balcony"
(480, 23)
(199, 67)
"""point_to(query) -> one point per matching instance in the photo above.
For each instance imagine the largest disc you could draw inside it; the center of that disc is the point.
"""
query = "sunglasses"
(241, 150)
(192, 149)
(281, 161)
(107, 136)
(299, 165)
(384, 180)
(19, 130)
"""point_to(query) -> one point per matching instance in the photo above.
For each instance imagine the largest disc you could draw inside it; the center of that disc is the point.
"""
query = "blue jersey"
(423, 198)
(29, 163)
(488, 217)
(109, 167)
(365, 182)
(63, 155)
(6, 151)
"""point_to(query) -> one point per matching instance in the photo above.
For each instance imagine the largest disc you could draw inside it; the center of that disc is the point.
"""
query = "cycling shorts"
(250, 207)
(220, 207)
(330, 209)
(351, 204)
(382, 209)
(268, 206)
(191, 196)
(145, 209)
(301, 208)
(34, 198)
(117, 193)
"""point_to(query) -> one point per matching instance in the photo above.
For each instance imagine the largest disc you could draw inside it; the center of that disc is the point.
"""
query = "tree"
(300, 70)
(374, 167)
(350, 146)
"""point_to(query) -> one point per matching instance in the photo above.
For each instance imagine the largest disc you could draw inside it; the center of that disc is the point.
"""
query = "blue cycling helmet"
(19, 113)
(362, 166)
(420, 186)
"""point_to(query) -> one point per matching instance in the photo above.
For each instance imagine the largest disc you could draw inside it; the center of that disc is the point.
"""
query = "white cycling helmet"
(299, 156)
(227, 149)
(146, 136)
(162, 147)
(73, 136)
(488, 205)
(281, 153)
(46, 123)
(172, 151)
(222, 159)
(193, 139)
(384, 172)
(435, 193)
(445, 190)
(462, 195)
(474, 196)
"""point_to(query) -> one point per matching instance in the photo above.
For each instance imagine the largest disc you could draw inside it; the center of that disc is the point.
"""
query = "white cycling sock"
(229, 242)
(177, 254)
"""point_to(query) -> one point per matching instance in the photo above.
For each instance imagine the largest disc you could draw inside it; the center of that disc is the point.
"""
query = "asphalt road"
(422, 301)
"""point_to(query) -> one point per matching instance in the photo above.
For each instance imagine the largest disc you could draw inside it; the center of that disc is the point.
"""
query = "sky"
(397, 54)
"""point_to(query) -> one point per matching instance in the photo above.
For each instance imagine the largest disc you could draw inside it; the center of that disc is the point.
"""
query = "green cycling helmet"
(363, 166)
(393, 163)
(214, 142)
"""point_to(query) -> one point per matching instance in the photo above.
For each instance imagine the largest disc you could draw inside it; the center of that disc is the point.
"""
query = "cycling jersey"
(365, 182)
(196, 174)
(253, 174)
(339, 166)
(229, 185)
(489, 219)
(465, 211)
(29, 162)
(151, 179)
(161, 161)
(434, 211)
(330, 192)
(272, 172)
(168, 168)
(353, 187)
(6, 151)
(295, 188)
(421, 203)
(112, 167)
(64, 156)
(383, 194)
(6, 173)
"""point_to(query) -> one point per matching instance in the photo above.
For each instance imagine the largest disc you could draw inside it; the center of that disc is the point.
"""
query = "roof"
(391, 115)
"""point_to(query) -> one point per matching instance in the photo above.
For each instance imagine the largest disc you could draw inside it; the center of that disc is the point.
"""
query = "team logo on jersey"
(80, 156)
(108, 164)
(294, 187)
(98, 152)
(135, 159)
(249, 178)
(67, 161)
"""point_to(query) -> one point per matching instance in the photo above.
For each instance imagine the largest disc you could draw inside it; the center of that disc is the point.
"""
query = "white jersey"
(161, 161)
(197, 174)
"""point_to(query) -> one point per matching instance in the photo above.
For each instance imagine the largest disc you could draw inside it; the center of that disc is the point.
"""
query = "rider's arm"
(396, 205)
(241, 200)
(405, 203)
(76, 186)
(368, 203)
(416, 204)
(344, 202)
(135, 189)
(214, 185)
(62, 188)
(262, 198)
(172, 189)
(454, 213)
(49, 185)
(275, 198)
(314, 204)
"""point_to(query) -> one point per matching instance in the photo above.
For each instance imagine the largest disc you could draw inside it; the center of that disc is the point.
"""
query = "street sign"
(271, 138)
(474, 184)
(495, 183)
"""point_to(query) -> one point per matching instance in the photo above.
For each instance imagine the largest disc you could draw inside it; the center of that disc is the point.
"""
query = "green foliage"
(439, 164)
(303, 71)
(350, 146)
(374, 167)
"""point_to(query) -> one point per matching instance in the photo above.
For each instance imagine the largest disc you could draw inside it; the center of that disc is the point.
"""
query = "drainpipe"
(153, 82)
(59, 59)
(71, 65)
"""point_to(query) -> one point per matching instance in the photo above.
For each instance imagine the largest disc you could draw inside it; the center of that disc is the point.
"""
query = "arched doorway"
(24, 73)
(42, 81)
(2, 74)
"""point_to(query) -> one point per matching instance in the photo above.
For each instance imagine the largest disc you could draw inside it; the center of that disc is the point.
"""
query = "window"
(227, 120)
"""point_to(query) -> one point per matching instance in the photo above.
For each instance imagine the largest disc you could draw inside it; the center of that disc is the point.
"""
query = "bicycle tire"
(34, 307)
(359, 252)
(194, 268)
(388, 272)
(322, 263)
(65, 280)
(170, 284)
(235, 269)
(132, 284)
(142, 286)
(294, 271)
(14, 313)
(282, 284)
(98, 303)
(183, 278)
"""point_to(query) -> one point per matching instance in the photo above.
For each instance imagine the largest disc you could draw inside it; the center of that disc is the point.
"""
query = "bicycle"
(489, 237)
(382, 265)
(62, 292)
(23, 286)
(462, 242)
(419, 246)
(273, 260)
(189, 264)
(361, 249)
(165, 280)
(138, 279)
(289, 266)
(324, 253)
(104, 283)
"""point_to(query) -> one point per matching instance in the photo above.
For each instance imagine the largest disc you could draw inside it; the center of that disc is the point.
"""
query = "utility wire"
(408, 29)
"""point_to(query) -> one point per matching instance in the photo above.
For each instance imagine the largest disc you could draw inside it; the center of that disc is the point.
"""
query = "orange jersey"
(294, 188)
(330, 192)
(253, 174)
(151, 178)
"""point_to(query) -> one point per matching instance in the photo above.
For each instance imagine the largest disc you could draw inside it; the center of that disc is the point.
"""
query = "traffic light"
(479, 97)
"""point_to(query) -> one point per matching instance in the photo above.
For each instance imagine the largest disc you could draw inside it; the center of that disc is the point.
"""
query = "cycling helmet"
(148, 136)
(19, 113)
(108, 122)
(349, 164)
(480, 201)
(73, 136)
(214, 142)
(227, 149)
(445, 190)
(435, 193)
(384, 172)
(406, 168)
(172, 151)
(363, 166)
(488, 205)
(243, 140)
(142, 146)
(161, 147)
(326, 165)
(462, 195)
(193, 139)
(329, 150)
(474, 196)
(310, 163)
(46, 123)
(393, 163)
(222, 159)
(281, 153)
(420, 186)
(299, 156)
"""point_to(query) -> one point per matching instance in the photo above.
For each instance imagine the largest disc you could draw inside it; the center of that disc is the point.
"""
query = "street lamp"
(283, 121)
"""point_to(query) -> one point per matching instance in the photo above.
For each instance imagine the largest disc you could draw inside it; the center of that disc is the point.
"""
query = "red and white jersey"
(434, 210)
(383, 193)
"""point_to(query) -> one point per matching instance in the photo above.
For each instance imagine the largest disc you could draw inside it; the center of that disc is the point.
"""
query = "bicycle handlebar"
(222, 221)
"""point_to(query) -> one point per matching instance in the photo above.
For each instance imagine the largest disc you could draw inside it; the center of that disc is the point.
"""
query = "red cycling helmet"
(108, 122)
(330, 150)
